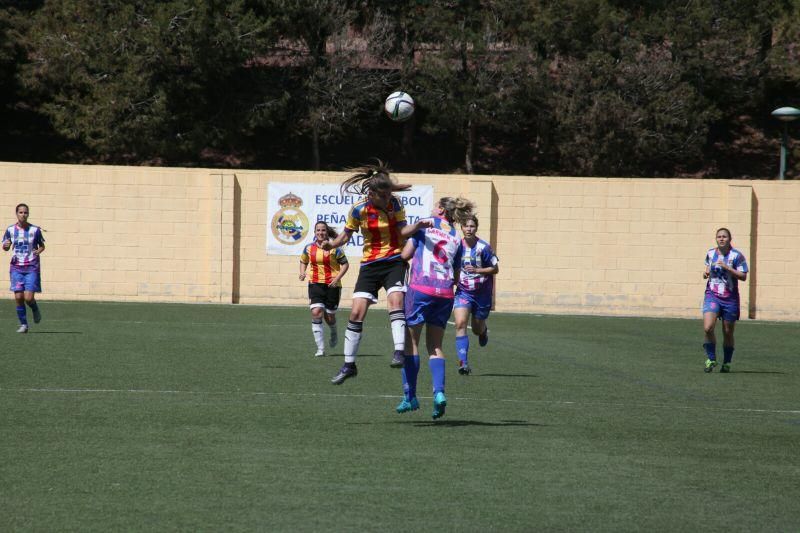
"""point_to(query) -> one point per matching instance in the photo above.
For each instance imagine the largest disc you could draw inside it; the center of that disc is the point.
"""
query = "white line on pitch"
(332, 395)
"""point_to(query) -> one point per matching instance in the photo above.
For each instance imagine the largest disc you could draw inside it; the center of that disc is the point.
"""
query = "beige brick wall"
(127, 233)
(566, 245)
(612, 246)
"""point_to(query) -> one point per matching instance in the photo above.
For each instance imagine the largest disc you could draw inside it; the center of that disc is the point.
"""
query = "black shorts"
(391, 275)
(321, 295)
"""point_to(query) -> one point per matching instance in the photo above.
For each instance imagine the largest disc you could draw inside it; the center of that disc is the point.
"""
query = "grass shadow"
(758, 372)
(55, 333)
(475, 423)
(506, 375)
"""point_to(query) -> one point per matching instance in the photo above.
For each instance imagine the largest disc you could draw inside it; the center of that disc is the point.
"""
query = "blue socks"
(727, 354)
(462, 348)
(409, 373)
(436, 365)
(711, 350)
(22, 315)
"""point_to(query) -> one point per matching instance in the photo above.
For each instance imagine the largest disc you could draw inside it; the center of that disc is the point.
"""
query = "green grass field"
(211, 418)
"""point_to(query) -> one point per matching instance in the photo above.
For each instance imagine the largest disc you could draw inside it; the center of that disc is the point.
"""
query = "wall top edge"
(338, 173)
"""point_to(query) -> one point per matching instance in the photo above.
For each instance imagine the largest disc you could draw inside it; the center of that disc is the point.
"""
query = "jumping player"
(381, 219)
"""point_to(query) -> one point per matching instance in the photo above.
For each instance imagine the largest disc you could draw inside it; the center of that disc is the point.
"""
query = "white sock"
(319, 337)
(352, 338)
(397, 320)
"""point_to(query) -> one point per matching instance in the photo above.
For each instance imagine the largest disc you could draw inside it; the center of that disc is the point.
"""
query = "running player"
(324, 269)
(435, 254)
(725, 268)
(479, 265)
(25, 273)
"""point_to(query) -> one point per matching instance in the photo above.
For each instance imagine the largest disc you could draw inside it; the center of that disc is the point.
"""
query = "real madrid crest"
(290, 224)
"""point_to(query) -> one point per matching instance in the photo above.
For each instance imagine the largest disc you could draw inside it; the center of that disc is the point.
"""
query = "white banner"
(294, 208)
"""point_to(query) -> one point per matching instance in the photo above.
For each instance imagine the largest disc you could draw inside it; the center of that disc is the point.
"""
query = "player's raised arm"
(337, 241)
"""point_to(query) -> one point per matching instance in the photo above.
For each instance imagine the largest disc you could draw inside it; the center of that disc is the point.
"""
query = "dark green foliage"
(581, 87)
(139, 80)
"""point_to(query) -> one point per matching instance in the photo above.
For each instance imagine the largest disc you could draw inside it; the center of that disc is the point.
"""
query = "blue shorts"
(25, 281)
(727, 310)
(479, 304)
(423, 308)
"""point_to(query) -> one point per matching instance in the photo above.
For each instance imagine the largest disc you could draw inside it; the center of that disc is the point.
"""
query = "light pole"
(785, 115)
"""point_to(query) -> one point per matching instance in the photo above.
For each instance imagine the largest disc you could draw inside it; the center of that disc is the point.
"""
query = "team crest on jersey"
(290, 224)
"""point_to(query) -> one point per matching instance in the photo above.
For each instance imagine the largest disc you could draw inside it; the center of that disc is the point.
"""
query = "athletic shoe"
(407, 405)
(334, 338)
(725, 368)
(37, 315)
(710, 364)
(464, 369)
(320, 353)
(398, 359)
(23, 328)
(439, 403)
(344, 373)
(483, 338)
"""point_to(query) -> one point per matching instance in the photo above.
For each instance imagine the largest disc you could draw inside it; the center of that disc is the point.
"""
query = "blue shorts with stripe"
(25, 281)
(479, 303)
(727, 310)
(423, 308)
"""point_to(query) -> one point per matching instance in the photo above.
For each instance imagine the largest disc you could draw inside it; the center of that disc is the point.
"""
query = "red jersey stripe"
(373, 225)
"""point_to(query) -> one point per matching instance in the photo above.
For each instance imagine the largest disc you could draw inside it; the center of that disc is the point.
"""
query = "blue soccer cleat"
(439, 404)
(398, 359)
(344, 373)
(407, 405)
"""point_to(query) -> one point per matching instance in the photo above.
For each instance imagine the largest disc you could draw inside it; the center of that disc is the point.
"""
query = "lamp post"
(785, 115)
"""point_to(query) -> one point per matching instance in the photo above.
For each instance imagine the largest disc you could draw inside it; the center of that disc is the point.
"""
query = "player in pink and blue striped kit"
(435, 252)
(725, 268)
(27, 243)
(474, 294)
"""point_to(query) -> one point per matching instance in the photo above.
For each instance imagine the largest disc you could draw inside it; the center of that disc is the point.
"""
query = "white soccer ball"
(399, 106)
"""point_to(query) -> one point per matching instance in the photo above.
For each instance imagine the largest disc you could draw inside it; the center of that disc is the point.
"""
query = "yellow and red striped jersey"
(323, 265)
(380, 228)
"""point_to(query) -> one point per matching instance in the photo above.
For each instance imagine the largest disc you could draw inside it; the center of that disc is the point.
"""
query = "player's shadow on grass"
(759, 372)
(464, 423)
(360, 355)
(55, 333)
(506, 375)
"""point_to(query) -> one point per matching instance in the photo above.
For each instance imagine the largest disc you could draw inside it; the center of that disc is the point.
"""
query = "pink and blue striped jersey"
(720, 282)
(436, 259)
(480, 256)
(23, 243)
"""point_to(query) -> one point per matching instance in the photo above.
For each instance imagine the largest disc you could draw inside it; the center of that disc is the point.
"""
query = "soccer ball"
(399, 106)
